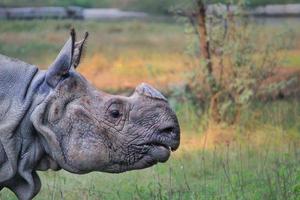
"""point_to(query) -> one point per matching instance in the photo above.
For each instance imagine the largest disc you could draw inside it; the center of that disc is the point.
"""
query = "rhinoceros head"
(83, 129)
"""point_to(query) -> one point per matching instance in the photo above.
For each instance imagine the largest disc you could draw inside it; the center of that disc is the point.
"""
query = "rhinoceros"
(55, 119)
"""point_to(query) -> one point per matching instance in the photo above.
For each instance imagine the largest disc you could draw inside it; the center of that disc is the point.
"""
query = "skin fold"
(55, 119)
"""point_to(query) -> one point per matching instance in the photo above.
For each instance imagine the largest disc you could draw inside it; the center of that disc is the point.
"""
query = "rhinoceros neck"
(20, 149)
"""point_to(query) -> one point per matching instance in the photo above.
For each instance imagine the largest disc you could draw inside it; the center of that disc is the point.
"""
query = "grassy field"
(131, 50)
(120, 54)
(232, 172)
(238, 170)
(259, 158)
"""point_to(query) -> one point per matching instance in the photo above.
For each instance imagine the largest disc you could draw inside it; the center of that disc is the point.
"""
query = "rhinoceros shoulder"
(16, 94)
(12, 70)
(15, 76)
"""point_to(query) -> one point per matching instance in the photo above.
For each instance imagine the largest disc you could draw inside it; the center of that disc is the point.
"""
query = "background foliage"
(159, 6)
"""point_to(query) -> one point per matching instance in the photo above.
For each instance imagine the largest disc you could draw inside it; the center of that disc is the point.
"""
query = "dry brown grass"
(128, 70)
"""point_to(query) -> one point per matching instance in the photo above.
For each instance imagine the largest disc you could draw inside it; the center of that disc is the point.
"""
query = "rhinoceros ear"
(78, 49)
(68, 57)
(63, 62)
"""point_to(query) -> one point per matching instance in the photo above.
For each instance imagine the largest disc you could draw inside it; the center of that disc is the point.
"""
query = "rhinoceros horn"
(148, 91)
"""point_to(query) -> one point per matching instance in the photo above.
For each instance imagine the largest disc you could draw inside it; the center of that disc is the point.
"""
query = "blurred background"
(230, 69)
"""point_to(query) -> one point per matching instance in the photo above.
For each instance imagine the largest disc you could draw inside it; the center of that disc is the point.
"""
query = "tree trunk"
(205, 47)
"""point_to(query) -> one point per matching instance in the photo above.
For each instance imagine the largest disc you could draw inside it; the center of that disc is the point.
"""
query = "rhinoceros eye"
(115, 113)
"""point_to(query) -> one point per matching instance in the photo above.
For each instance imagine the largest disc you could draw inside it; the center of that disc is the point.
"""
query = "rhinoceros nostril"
(167, 130)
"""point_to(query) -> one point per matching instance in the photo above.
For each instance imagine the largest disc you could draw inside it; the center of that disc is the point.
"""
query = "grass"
(122, 53)
(293, 59)
(255, 159)
(226, 172)
(131, 50)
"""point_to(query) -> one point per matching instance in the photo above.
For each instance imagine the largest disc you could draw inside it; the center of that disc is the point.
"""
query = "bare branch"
(191, 16)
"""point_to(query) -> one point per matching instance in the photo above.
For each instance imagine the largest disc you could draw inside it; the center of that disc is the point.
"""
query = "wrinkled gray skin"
(55, 119)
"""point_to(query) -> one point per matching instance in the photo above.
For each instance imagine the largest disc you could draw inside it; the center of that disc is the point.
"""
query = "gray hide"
(19, 82)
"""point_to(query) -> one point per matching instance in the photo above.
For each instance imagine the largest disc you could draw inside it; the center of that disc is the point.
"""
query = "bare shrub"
(231, 57)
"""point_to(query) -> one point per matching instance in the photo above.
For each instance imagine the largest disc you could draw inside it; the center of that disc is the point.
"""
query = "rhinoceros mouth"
(157, 150)
(152, 154)
(156, 144)
(168, 143)
(160, 152)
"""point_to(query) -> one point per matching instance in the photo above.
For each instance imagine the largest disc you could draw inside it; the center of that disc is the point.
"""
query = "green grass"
(293, 61)
(232, 172)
